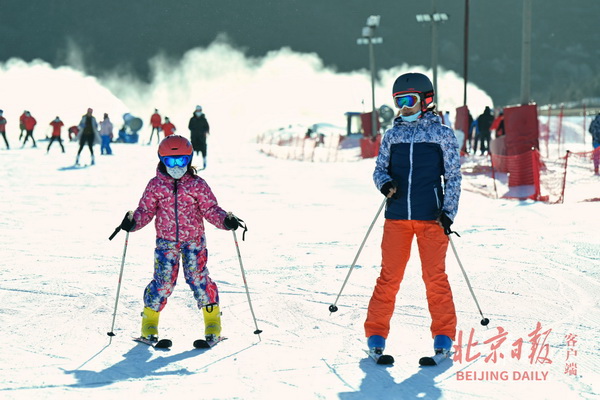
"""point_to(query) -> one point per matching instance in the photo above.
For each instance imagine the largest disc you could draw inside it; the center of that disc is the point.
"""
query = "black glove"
(231, 222)
(128, 222)
(385, 189)
(446, 222)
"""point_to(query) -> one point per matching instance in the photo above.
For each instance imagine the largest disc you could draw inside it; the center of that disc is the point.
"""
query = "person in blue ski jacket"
(418, 170)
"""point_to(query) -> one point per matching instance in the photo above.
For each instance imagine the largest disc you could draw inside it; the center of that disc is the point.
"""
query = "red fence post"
(535, 163)
(493, 175)
(564, 182)
(584, 115)
(548, 133)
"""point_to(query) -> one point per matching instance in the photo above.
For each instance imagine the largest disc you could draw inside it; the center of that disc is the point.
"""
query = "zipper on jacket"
(410, 172)
(176, 216)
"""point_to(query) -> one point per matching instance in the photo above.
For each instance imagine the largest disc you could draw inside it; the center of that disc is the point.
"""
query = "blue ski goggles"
(175, 161)
(407, 100)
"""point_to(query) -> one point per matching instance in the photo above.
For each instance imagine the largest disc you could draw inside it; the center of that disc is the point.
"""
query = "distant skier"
(595, 132)
(199, 128)
(3, 129)
(155, 123)
(56, 125)
(106, 135)
(22, 124)
(73, 132)
(418, 170)
(29, 123)
(484, 123)
(180, 200)
(498, 125)
(88, 134)
(168, 128)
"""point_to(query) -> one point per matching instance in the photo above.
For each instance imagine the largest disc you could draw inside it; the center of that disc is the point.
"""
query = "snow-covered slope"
(528, 263)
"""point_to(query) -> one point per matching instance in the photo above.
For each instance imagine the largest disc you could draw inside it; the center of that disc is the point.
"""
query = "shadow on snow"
(137, 364)
(379, 384)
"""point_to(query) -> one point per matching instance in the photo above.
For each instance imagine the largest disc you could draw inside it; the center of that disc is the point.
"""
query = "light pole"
(526, 54)
(434, 18)
(368, 37)
(466, 53)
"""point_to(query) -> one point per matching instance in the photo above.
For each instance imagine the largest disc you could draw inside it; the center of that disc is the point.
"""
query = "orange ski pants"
(396, 245)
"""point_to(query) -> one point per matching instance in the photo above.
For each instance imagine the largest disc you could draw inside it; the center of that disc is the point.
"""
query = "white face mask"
(198, 113)
(177, 172)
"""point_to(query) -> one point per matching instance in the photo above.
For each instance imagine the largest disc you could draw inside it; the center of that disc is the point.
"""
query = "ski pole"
(333, 308)
(112, 333)
(237, 247)
(484, 320)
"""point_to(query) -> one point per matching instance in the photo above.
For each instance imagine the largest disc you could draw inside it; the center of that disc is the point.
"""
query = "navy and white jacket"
(417, 155)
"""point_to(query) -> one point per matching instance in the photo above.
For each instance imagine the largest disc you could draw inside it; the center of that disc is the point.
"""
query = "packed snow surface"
(528, 263)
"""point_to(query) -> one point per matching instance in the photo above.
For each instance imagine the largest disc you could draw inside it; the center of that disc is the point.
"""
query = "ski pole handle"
(129, 216)
(114, 233)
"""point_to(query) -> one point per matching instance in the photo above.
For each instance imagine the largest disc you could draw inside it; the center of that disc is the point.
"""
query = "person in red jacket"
(22, 124)
(3, 129)
(168, 128)
(56, 125)
(498, 125)
(73, 131)
(156, 123)
(29, 122)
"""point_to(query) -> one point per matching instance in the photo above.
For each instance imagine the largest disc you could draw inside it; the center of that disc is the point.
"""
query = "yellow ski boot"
(150, 324)
(212, 321)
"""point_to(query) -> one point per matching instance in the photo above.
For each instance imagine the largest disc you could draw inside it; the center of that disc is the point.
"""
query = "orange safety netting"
(529, 175)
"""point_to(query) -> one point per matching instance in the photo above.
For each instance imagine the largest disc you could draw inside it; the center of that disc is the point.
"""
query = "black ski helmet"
(414, 82)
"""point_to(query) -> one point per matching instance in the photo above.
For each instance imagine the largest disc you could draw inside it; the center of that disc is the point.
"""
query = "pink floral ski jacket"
(179, 207)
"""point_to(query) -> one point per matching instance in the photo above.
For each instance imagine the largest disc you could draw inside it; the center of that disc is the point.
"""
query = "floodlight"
(373, 21)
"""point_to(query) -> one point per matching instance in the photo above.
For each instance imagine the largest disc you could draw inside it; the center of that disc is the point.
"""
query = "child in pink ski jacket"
(179, 201)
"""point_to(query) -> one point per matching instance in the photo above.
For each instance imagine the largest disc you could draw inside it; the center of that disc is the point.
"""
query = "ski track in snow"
(527, 262)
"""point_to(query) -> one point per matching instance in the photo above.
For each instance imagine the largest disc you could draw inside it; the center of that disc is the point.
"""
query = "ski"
(207, 344)
(71, 167)
(379, 357)
(161, 344)
(436, 359)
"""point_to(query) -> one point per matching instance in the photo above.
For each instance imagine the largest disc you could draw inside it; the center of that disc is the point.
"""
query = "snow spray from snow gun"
(333, 308)
(237, 247)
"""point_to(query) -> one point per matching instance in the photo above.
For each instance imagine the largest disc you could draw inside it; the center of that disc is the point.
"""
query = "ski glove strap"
(446, 222)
